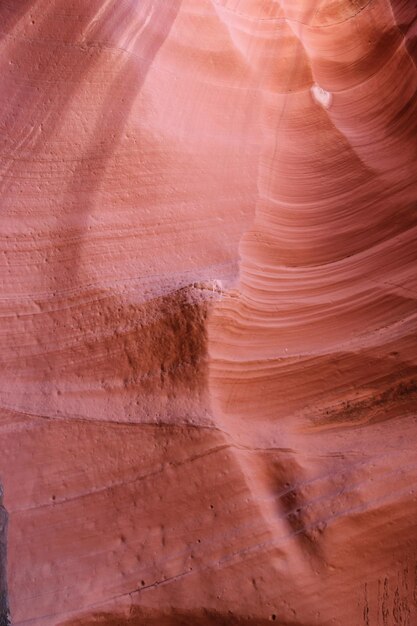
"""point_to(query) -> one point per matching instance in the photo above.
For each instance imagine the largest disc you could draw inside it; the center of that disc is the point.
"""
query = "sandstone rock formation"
(209, 366)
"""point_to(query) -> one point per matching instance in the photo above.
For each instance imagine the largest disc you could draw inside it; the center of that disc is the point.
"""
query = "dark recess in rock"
(4, 604)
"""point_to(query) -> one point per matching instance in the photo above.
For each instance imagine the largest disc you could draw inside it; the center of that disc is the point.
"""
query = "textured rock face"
(209, 366)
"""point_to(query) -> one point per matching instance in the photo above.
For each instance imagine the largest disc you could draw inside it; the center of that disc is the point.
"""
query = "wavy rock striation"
(209, 366)
(314, 354)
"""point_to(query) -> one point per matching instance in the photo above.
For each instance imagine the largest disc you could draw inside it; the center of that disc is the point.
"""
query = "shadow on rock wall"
(139, 617)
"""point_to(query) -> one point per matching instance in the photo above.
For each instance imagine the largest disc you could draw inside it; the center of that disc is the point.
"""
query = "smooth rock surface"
(208, 343)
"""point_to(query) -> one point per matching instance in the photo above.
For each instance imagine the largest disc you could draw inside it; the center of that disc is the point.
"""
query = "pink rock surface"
(209, 367)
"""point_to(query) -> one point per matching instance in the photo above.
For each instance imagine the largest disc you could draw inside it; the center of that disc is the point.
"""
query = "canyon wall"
(209, 367)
